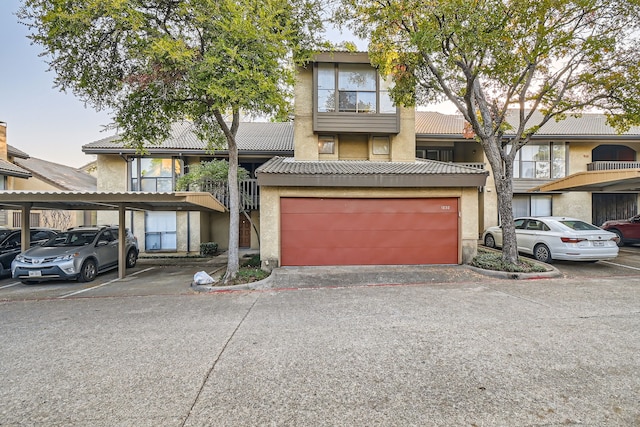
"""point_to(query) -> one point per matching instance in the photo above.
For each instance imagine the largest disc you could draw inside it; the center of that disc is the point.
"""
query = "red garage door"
(369, 231)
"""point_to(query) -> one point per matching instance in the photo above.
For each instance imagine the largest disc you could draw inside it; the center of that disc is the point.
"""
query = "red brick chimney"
(3, 141)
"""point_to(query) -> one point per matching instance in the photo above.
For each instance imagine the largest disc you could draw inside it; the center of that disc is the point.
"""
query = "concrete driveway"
(470, 351)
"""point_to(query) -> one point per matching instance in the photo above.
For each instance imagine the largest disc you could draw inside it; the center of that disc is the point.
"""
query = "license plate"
(598, 243)
(35, 273)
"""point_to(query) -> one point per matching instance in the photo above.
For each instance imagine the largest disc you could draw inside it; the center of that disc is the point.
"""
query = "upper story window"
(541, 161)
(155, 174)
(3, 182)
(352, 88)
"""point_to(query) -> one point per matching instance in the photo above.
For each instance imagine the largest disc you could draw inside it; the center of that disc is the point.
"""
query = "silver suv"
(79, 253)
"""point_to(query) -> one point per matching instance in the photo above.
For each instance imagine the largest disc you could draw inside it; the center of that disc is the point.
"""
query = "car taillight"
(615, 239)
(571, 240)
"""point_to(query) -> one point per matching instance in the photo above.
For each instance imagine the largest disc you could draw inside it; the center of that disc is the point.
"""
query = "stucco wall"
(305, 141)
(573, 204)
(112, 173)
(270, 213)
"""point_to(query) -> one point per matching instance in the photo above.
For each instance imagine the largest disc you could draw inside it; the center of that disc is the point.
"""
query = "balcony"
(476, 165)
(612, 165)
(249, 193)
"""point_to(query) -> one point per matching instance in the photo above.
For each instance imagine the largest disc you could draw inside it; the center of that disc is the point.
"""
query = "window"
(352, 88)
(380, 145)
(326, 144)
(435, 153)
(160, 231)
(3, 182)
(541, 161)
(525, 205)
(155, 174)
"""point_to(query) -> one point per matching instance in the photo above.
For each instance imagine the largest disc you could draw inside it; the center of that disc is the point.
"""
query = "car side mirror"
(102, 243)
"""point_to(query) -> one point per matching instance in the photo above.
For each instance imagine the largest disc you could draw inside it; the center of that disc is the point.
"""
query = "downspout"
(188, 232)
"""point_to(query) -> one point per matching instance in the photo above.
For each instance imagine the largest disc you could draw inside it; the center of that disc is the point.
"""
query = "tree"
(154, 62)
(543, 59)
(214, 170)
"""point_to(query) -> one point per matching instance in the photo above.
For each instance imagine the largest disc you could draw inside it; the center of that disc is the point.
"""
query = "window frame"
(136, 179)
(555, 171)
(381, 89)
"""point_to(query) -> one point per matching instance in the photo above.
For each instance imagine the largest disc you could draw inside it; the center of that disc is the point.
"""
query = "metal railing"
(612, 165)
(249, 192)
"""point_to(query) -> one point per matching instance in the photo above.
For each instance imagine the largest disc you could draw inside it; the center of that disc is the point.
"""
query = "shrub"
(208, 248)
(493, 261)
(254, 261)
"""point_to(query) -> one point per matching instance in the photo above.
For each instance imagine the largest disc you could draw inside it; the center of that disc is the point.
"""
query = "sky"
(41, 120)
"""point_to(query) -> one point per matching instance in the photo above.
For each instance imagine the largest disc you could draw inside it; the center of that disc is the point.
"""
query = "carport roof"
(596, 181)
(104, 200)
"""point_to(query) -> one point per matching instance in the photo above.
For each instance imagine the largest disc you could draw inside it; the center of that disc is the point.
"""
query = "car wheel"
(542, 253)
(620, 239)
(132, 258)
(489, 241)
(88, 272)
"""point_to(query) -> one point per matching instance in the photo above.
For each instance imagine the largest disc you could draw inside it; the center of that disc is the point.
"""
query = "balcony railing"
(249, 193)
(471, 165)
(611, 165)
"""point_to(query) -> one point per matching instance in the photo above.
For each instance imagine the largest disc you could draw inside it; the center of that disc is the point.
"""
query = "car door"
(631, 230)
(107, 249)
(527, 235)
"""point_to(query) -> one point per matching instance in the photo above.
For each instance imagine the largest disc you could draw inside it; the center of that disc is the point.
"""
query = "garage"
(348, 231)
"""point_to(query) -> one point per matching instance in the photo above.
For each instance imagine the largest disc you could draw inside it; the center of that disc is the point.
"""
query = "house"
(354, 192)
(576, 167)
(20, 172)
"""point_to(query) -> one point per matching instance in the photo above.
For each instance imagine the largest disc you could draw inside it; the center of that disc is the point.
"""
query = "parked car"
(558, 238)
(11, 244)
(628, 230)
(79, 253)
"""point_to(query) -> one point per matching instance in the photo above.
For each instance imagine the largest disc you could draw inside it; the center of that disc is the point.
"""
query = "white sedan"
(558, 238)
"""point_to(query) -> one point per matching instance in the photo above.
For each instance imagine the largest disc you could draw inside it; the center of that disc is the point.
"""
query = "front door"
(245, 232)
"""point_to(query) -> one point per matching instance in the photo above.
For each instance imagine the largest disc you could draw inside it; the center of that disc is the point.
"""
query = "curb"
(550, 274)
(260, 284)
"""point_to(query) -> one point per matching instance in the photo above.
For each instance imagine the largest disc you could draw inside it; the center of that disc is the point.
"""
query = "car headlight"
(66, 257)
(20, 257)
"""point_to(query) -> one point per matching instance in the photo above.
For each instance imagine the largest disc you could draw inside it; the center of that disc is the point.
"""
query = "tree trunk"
(504, 188)
(233, 261)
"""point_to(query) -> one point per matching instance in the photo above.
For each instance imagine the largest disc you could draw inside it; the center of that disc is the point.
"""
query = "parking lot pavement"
(495, 352)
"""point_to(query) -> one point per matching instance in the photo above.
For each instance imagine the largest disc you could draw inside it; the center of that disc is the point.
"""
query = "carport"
(595, 181)
(100, 201)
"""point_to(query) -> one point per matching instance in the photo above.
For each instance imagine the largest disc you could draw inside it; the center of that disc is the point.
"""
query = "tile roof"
(61, 176)
(434, 123)
(288, 165)
(252, 136)
(11, 169)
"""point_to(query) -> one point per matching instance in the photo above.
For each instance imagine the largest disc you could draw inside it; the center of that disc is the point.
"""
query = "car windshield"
(4, 233)
(72, 238)
(578, 225)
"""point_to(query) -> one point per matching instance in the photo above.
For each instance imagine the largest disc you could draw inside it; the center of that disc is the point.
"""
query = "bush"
(493, 261)
(254, 261)
(208, 248)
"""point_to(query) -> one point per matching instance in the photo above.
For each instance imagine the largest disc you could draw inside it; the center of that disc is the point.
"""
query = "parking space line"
(621, 265)
(104, 284)
(10, 285)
